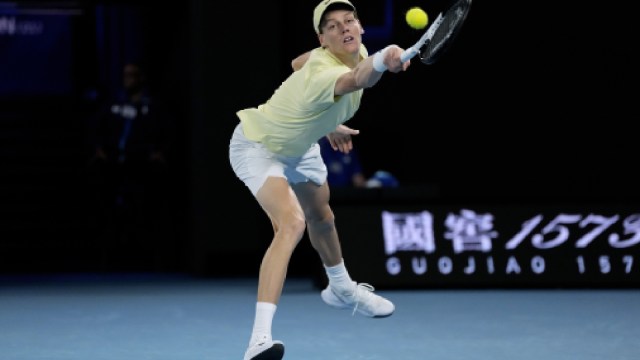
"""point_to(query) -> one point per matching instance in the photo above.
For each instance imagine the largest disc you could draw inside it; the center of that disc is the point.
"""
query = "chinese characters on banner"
(503, 246)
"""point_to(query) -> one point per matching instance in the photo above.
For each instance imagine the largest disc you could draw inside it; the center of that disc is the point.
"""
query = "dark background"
(535, 102)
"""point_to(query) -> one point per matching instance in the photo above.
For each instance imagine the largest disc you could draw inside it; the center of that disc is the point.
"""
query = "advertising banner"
(533, 245)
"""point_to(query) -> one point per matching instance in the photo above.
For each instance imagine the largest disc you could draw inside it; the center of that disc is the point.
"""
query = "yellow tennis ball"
(417, 18)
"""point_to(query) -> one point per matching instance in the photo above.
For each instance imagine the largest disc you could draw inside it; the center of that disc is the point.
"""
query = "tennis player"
(274, 150)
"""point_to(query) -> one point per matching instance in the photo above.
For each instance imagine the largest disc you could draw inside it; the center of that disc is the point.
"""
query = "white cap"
(321, 8)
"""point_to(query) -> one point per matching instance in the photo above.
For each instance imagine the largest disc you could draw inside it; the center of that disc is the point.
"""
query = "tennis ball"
(417, 18)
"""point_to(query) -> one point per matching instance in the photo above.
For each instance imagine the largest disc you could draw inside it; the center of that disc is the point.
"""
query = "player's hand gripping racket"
(440, 33)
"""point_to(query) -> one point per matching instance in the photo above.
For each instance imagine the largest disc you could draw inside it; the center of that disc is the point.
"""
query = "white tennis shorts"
(253, 163)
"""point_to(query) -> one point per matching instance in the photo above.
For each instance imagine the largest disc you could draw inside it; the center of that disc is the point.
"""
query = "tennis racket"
(440, 34)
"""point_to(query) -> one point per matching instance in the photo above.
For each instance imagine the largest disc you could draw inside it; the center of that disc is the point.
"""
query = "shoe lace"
(362, 290)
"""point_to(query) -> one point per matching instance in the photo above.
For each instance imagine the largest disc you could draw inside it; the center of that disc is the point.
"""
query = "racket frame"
(427, 37)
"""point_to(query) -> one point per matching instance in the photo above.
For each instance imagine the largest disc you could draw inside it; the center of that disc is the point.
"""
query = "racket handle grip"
(408, 54)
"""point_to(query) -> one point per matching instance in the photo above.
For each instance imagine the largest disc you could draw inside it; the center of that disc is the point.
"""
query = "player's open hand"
(340, 139)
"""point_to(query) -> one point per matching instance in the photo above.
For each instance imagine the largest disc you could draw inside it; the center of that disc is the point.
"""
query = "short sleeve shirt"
(304, 108)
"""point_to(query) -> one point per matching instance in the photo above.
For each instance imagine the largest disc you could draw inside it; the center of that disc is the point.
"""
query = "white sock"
(339, 278)
(262, 322)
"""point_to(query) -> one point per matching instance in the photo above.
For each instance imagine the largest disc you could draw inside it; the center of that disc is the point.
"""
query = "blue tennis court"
(122, 317)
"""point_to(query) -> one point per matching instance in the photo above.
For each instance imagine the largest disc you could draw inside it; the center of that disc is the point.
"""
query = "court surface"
(143, 317)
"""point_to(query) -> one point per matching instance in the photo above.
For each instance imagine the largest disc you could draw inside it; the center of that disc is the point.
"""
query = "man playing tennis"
(274, 150)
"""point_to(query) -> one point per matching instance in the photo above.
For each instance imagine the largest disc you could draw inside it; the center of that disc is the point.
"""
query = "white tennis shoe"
(362, 300)
(265, 350)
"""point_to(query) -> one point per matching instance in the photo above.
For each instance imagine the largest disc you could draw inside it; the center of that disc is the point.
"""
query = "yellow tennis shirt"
(303, 108)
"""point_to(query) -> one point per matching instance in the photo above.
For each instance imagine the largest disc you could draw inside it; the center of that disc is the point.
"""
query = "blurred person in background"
(131, 141)
(344, 170)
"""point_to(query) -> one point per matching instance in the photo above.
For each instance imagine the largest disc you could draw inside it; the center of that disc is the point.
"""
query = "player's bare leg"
(281, 205)
(342, 292)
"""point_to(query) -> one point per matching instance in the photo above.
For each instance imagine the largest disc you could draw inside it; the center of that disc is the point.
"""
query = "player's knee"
(323, 224)
(293, 228)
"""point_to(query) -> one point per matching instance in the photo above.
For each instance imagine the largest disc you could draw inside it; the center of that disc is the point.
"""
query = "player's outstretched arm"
(369, 71)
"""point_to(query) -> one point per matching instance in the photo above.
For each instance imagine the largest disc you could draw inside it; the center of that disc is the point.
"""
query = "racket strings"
(447, 29)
